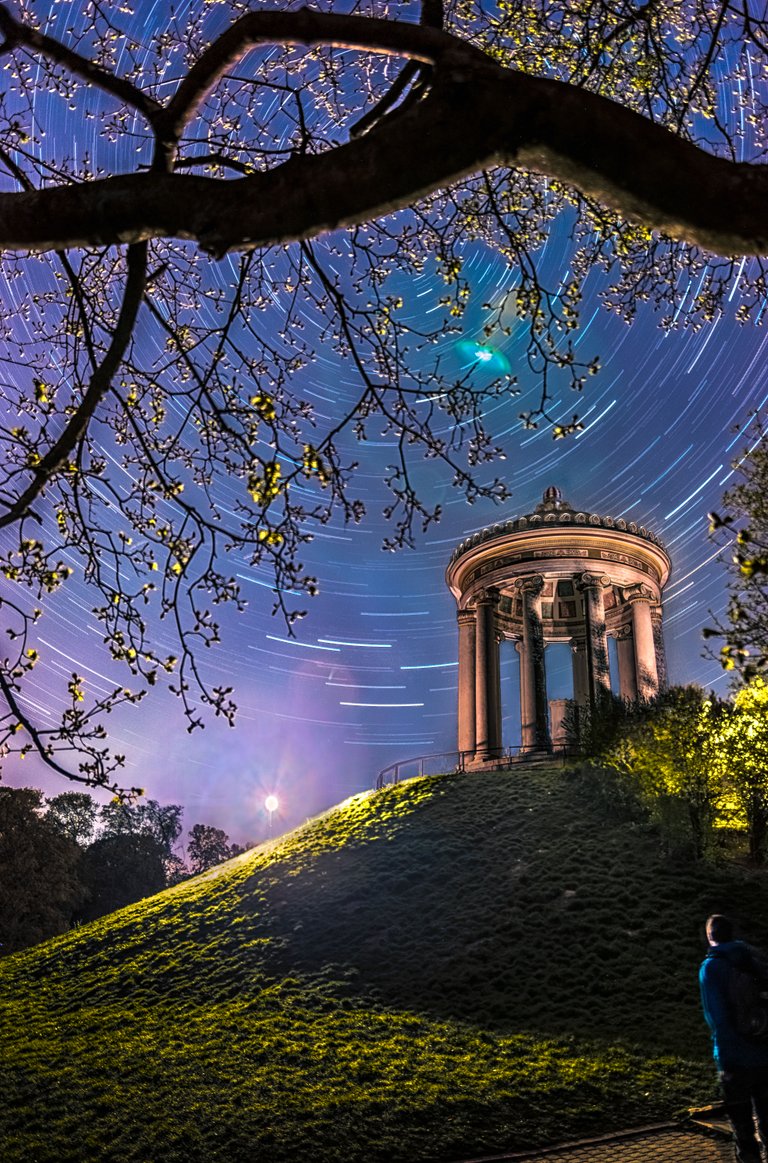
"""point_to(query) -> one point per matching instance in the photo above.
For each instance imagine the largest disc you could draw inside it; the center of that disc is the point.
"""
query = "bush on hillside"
(595, 728)
(744, 740)
(668, 758)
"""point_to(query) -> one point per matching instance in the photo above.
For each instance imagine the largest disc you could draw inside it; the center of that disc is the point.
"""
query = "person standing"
(742, 1061)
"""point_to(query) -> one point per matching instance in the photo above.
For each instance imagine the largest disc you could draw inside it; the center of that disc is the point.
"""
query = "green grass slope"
(457, 965)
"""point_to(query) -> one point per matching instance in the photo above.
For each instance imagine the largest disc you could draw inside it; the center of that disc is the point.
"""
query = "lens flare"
(483, 356)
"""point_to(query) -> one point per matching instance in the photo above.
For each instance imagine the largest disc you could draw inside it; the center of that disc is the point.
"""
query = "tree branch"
(280, 27)
(476, 115)
(17, 33)
(61, 449)
(414, 76)
(45, 751)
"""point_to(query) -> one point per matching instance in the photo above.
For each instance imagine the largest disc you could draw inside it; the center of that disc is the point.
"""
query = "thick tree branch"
(476, 115)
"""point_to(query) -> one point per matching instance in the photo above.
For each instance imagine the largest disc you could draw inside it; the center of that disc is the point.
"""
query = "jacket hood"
(737, 952)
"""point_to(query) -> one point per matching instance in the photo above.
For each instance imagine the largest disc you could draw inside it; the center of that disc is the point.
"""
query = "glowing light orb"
(271, 803)
(487, 357)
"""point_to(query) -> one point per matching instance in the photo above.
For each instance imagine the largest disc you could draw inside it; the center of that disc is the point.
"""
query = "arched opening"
(509, 665)
(559, 664)
(613, 664)
(559, 670)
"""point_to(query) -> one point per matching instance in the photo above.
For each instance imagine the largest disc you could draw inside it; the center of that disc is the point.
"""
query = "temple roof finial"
(552, 501)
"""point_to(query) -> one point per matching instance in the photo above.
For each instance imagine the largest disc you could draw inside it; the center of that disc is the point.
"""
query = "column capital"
(530, 585)
(623, 633)
(465, 616)
(489, 597)
(599, 581)
(639, 592)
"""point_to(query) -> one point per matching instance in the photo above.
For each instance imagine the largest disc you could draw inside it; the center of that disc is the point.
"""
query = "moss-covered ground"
(457, 965)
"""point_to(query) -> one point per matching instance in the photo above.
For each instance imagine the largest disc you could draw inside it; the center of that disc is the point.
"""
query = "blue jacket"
(732, 1050)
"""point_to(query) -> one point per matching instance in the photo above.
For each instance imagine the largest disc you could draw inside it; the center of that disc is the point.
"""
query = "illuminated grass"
(455, 965)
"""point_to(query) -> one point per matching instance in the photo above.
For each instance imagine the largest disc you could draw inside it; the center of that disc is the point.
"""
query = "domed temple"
(558, 574)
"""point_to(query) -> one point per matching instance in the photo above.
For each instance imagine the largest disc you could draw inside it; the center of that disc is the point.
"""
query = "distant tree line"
(67, 860)
(695, 764)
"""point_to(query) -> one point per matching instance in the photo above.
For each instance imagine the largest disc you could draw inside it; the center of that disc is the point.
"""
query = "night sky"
(371, 676)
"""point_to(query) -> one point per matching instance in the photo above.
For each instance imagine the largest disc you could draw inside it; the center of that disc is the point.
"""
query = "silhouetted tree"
(39, 884)
(160, 403)
(120, 869)
(175, 870)
(161, 822)
(207, 846)
(74, 814)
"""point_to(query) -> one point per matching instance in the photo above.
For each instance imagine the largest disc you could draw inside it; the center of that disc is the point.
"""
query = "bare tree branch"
(60, 451)
(17, 33)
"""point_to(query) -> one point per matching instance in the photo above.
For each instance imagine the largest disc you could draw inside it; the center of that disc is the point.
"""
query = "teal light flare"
(482, 355)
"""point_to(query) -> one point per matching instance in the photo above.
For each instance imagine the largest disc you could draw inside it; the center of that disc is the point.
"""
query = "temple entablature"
(555, 575)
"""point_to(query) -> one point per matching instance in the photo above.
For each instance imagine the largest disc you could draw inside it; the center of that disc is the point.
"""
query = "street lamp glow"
(271, 803)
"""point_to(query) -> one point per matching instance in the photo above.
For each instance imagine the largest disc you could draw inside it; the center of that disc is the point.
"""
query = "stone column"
(592, 586)
(487, 743)
(625, 651)
(580, 671)
(640, 598)
(661, 654)
(533, 686)
(466, 739)
(520, 648)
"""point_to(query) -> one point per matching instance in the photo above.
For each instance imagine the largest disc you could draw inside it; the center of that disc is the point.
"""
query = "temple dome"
(554, 510)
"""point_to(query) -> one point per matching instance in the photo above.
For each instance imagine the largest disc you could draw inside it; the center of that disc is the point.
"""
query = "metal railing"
(440, 762)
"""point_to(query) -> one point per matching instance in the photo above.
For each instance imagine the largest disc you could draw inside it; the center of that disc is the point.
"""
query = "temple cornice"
(484, 561)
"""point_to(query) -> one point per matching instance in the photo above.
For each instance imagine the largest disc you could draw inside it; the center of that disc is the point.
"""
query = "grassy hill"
(456, 965)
